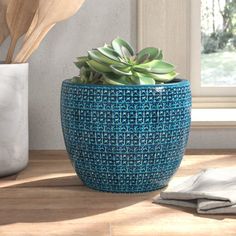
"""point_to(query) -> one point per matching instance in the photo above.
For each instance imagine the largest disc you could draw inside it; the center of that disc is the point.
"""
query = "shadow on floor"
(66, 198)
(193, 212)
(48, 200)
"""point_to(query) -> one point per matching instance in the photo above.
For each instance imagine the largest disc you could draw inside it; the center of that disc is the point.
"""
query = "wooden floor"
(47, 199)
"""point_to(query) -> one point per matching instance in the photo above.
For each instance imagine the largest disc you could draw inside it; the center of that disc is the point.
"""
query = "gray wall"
(98, 21)
(212, 139)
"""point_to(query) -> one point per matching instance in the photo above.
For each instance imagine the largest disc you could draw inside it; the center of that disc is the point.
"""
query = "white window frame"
(209, 97)
(206, 97)
(147, 21)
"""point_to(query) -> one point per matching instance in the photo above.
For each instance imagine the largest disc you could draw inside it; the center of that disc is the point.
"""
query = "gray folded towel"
(212, 191)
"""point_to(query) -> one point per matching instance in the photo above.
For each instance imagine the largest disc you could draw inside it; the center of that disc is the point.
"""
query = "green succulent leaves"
(149, 54)
(123, 48)
(99, 57)
(110, 78)
(121, 69)
(117, 64)
(81, 62)
(110, 53)
(155, 66)
(99, 67)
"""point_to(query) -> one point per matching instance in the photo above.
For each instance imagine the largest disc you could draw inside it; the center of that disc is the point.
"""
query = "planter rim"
(12, 64)
(177, 83)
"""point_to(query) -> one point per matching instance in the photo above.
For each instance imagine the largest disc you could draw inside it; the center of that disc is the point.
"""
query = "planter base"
(13, 172)
(12, 166)
(128, 191)
(123, 188)
(124, 182)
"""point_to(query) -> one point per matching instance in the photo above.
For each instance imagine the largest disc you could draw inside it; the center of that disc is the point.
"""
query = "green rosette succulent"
(118, 64)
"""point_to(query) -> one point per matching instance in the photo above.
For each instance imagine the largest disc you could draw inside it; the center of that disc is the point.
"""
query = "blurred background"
(99, 21)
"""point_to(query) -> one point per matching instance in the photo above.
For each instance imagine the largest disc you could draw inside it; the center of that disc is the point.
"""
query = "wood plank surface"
(47, 198)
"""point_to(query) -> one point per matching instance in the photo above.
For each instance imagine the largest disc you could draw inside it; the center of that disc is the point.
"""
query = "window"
(178, 28)
(218, 43)
(213, 48)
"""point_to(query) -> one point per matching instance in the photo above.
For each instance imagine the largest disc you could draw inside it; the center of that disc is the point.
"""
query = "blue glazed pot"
(126, 138)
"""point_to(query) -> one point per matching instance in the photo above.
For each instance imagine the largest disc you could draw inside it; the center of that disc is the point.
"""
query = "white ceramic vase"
(13, 118)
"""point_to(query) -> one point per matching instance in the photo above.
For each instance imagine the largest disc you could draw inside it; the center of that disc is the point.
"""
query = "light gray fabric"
(212, 191)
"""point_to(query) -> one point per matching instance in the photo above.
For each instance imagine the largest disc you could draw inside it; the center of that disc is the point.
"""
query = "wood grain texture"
(20, 14)
(4, 31)
(165, 24)
(38, 42)
(32, 26)
(49, 13)
(48, 199)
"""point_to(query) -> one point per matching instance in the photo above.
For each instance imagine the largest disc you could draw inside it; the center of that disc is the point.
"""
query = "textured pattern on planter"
(126, 138)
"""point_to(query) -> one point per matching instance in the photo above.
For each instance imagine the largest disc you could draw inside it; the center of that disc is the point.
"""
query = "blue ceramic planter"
(126, 138)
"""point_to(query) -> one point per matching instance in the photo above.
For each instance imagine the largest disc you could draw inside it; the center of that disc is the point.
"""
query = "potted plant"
(125, 118)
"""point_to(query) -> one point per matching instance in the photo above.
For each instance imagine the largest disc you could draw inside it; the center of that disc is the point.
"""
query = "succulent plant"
(117, 64)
